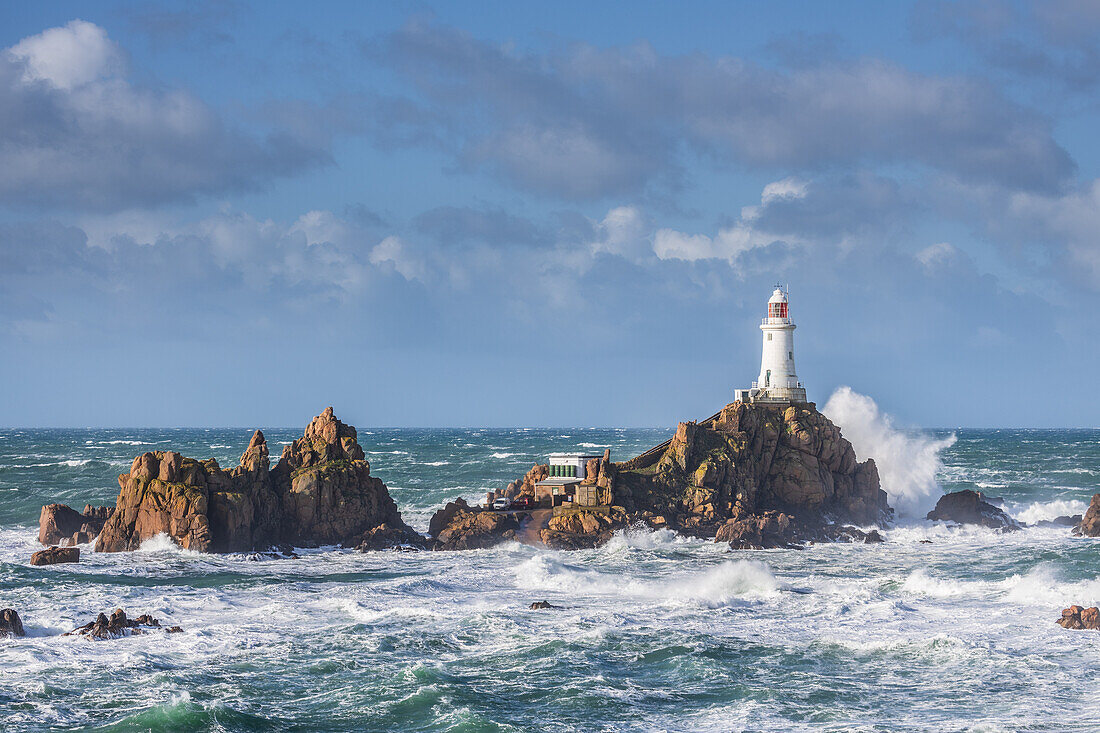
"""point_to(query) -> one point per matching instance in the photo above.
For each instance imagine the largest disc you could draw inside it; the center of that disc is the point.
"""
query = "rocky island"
(320, 492)
(754, 475)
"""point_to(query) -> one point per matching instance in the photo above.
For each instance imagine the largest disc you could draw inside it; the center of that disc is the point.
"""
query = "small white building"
(572, 465)
(567, 471)
(778, 381)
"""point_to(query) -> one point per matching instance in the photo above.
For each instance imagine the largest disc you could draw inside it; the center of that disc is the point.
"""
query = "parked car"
(502, 503)
(525, 502)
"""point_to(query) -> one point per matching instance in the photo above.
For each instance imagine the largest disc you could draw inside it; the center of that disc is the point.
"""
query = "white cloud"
(935, 255)
(75, 132)
(395, 252)
(70, 56)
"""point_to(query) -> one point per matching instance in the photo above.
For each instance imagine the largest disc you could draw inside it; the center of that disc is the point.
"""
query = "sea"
(937, 628)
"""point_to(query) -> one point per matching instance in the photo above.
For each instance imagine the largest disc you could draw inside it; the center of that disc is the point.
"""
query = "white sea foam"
(907, 462)
(1037, 511)
(503, 455)
(436, 463)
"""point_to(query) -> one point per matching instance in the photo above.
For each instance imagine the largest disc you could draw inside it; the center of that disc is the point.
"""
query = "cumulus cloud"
(586, 123)
(76, 133)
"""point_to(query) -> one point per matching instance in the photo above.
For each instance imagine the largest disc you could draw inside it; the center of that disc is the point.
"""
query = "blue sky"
(556, 214)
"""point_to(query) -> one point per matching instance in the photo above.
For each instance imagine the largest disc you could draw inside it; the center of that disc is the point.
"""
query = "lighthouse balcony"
(775, 321)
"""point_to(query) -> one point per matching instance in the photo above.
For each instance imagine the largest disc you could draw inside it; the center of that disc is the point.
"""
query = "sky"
(554, 214)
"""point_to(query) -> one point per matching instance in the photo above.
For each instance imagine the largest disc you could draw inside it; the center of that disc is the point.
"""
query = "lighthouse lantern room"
(778, 382)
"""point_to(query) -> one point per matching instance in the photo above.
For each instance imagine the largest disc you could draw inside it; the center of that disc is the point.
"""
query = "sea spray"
(907, 462)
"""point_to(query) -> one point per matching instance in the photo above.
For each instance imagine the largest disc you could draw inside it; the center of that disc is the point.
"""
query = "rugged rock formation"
(1090, 523)
(970, 507)
(748, 460)
(760, 532)
(543, 606)
(391, 537)
(764, 475)
(321, 492)
(1076, 617)
(583, 530)
(59, 524)
(10, 623)
(118, 625)
(55, 555)
(457, 526)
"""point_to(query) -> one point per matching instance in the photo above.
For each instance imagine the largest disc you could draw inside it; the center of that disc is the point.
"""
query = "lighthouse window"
(790, 355)
(769, 337)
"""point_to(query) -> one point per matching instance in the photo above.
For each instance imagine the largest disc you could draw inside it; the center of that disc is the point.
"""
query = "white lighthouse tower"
(778, 381)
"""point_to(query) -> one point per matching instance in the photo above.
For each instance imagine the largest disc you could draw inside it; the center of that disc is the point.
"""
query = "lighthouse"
(778, 381)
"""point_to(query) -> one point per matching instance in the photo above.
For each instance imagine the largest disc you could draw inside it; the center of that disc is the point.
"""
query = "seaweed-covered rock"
(970, 507)
(10, 623)
(56, 555)
(321, 492)
(59, 524)
(1077, 617)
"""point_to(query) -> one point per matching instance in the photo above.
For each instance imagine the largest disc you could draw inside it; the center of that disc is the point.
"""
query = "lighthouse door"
(768, 378)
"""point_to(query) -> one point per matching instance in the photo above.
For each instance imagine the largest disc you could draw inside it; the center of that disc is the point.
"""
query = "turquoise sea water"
(656, 633)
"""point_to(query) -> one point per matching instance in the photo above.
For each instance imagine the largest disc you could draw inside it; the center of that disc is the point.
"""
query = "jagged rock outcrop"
(763, 475)
(748, 460)
(56, 555)
(1077, 617)
(760, 532)
(321, 492)
(583, 530)
(970, 507)
(118, 625)
(458, 526)
(1089, 526)
(59, 524)
(10, 623)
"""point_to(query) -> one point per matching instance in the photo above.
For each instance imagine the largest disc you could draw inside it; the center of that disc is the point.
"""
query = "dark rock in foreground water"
(56, 555)
(10, 623)
(119, 625)
(970, 507)
(543, 606)
(1077, 617)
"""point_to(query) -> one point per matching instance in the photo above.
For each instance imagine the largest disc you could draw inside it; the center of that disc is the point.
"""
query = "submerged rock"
(1089, 525)
(10, 623)
(118, 625)
(59, 524)
(1077, 617)
(543, 606)
(1063, 521)
(321, 492)
(56, 555)
(970, 507)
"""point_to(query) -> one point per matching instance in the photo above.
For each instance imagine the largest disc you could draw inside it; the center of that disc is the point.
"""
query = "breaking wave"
(907, 461)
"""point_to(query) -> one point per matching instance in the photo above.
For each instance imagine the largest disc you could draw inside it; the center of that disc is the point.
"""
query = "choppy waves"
(938, 628)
